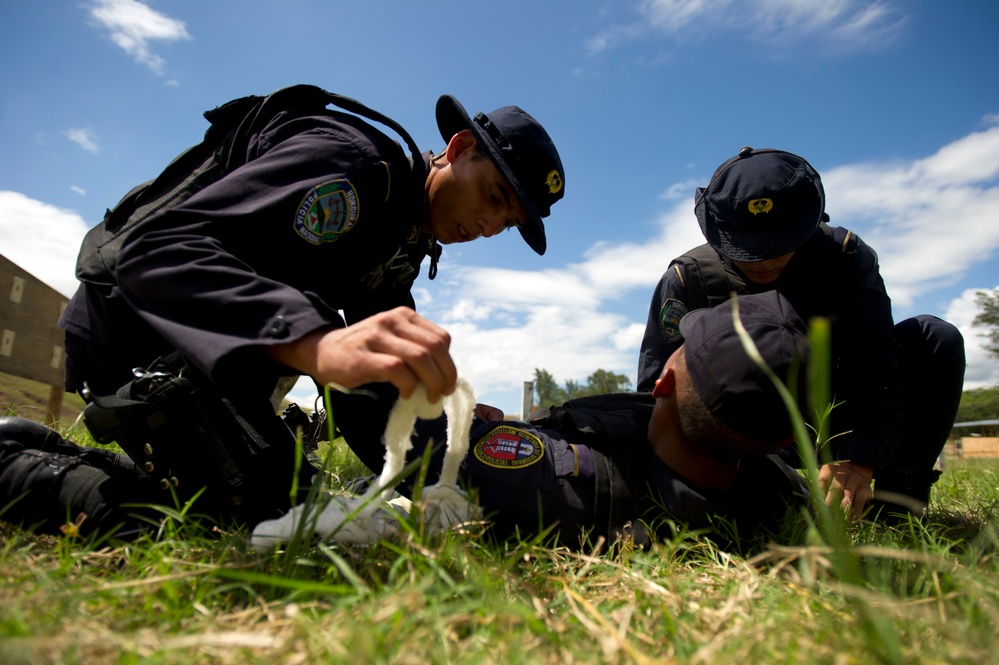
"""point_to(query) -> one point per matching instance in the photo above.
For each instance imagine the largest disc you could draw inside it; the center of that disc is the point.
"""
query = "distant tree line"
(979, 404)
(547, 391)
(988, 318)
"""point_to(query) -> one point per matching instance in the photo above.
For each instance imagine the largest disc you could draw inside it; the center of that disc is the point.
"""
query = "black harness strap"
(708, 279)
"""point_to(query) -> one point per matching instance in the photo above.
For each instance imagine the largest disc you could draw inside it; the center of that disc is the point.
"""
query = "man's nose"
(491, 225)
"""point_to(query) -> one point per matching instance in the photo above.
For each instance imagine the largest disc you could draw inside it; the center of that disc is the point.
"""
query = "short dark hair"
(699, 424)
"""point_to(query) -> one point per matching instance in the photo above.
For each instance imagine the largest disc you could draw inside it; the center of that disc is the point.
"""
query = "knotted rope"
(370, 516)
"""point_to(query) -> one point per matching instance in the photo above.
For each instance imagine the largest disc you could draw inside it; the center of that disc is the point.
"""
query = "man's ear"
(665, 384)
(460, 143)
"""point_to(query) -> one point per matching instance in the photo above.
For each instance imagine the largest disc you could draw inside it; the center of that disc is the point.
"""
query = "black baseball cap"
(760, 204)
(732, 385)
(522, 151)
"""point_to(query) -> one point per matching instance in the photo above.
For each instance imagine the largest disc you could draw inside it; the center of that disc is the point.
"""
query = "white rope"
(371, 516)
(445, 504)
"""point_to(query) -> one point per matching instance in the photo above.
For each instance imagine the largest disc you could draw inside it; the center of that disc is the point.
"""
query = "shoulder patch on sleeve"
(327, 212)
(669, 319)
(506, 447)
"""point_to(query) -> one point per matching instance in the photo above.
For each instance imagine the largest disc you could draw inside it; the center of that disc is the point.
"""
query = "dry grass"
(198, 596)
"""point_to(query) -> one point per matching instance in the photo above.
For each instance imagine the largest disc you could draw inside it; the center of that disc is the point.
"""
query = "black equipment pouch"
(178, 430)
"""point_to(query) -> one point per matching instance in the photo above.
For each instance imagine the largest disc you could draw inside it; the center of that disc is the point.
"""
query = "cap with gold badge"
(522, 151)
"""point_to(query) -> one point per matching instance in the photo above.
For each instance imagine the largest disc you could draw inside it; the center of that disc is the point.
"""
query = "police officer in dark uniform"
(763, 217)
(285, 244)
(318, 212)
(699, 450)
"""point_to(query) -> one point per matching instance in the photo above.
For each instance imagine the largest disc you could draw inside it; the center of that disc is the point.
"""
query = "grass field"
(29, 399)
(193, 593)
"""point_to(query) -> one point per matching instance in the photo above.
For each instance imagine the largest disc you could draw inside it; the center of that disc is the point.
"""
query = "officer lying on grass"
(285, 244)
(698, 450)
(763, 215)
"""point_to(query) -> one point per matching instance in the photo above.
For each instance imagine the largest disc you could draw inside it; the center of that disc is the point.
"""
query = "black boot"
(47, 482)
(38, 437)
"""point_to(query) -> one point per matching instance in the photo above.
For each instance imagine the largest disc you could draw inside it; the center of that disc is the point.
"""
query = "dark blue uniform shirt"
(322, 217)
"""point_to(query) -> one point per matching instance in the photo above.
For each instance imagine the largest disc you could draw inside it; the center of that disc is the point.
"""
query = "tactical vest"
(710, 279)
(223, 150)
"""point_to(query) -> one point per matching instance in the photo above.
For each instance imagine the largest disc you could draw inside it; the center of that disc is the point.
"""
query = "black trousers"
(47, 481)
(931, 360)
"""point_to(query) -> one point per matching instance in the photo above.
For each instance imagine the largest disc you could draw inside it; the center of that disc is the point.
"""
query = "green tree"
(573, 389)
(979, 404)
(988, 318)
(546, 391)
(602, 382)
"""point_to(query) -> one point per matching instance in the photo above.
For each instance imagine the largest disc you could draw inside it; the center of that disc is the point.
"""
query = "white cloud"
(563, 340)
(84, 138)
(135, 27)
(929, 220)
(42, 239)
(629, 338)
(839, 24)
(421, 296)
(466, 309)
(681, 191)
(79, 190)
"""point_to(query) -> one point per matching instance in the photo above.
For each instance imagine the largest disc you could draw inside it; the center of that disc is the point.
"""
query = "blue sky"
(896, 103)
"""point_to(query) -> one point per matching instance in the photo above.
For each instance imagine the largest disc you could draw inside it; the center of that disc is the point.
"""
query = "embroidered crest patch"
(327, 212)
(669, 319)
(509, 448)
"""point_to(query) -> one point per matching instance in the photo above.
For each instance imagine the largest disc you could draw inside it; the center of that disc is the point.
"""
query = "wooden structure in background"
(973, 438)
(973, 446)
(31, 342)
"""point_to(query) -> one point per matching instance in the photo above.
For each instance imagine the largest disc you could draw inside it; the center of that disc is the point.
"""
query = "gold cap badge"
(756, 206)
(554, 182)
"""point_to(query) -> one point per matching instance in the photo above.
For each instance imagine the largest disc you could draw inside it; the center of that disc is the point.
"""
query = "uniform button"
(277, 327)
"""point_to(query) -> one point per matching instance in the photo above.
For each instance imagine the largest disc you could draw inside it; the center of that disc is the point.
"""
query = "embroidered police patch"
(327, 212)
(669, 319)
(509, 448)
